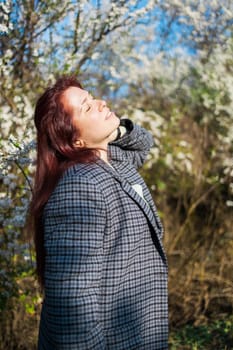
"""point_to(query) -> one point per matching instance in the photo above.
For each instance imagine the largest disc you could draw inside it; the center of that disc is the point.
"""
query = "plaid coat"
(106, 271)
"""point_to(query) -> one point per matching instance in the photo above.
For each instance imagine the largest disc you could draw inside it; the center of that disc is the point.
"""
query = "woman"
(98, 236)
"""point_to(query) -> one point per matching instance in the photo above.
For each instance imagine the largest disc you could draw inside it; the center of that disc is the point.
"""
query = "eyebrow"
(85, 99)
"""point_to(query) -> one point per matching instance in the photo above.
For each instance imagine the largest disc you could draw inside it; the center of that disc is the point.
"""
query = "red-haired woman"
(98, 236)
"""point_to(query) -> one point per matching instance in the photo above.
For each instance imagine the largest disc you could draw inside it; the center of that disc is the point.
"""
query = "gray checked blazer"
(106, 270)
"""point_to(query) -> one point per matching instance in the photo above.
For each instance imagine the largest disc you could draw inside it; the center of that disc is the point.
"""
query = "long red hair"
(56, 151)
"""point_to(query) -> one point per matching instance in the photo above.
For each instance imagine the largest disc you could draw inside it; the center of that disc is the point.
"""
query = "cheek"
(91, 131)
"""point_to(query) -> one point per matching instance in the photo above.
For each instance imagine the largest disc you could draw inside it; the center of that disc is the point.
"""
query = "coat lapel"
(155, 225)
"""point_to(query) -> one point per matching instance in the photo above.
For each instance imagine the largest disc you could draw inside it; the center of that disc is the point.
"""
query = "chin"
(117, 120)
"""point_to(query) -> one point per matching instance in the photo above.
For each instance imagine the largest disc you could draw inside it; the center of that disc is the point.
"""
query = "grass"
(217, 335)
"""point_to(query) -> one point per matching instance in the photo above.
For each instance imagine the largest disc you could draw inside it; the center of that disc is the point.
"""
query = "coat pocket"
(126, 337)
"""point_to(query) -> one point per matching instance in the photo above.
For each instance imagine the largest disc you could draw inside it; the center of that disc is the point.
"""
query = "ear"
(79, 143)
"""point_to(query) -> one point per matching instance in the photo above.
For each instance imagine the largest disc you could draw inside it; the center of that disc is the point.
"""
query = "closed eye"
(88, 108)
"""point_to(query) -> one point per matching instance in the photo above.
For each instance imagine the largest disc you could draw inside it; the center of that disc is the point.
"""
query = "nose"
(101, 105)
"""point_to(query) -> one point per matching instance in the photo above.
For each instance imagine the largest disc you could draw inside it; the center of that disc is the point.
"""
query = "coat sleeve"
(134, 146)
(74, 229)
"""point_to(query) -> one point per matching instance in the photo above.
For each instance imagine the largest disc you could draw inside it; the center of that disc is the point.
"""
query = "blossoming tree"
(167, 65)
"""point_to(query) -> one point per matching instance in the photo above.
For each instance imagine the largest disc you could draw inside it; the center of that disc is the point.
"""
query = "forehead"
(73, 97)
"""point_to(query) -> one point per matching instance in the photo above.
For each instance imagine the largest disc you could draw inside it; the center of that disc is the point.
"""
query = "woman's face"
(93, 119)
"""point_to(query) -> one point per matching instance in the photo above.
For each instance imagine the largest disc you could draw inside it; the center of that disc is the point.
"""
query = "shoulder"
(90, 172)
(79, 178)
(78, 186)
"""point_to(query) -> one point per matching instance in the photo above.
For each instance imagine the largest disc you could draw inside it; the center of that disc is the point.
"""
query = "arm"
(134, 145)
(76, 220)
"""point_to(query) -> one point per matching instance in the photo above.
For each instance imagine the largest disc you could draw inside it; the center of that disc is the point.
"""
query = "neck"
(104, 155)
(103, 151)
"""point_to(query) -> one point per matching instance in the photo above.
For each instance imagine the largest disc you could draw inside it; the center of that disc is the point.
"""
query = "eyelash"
(88, 108)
